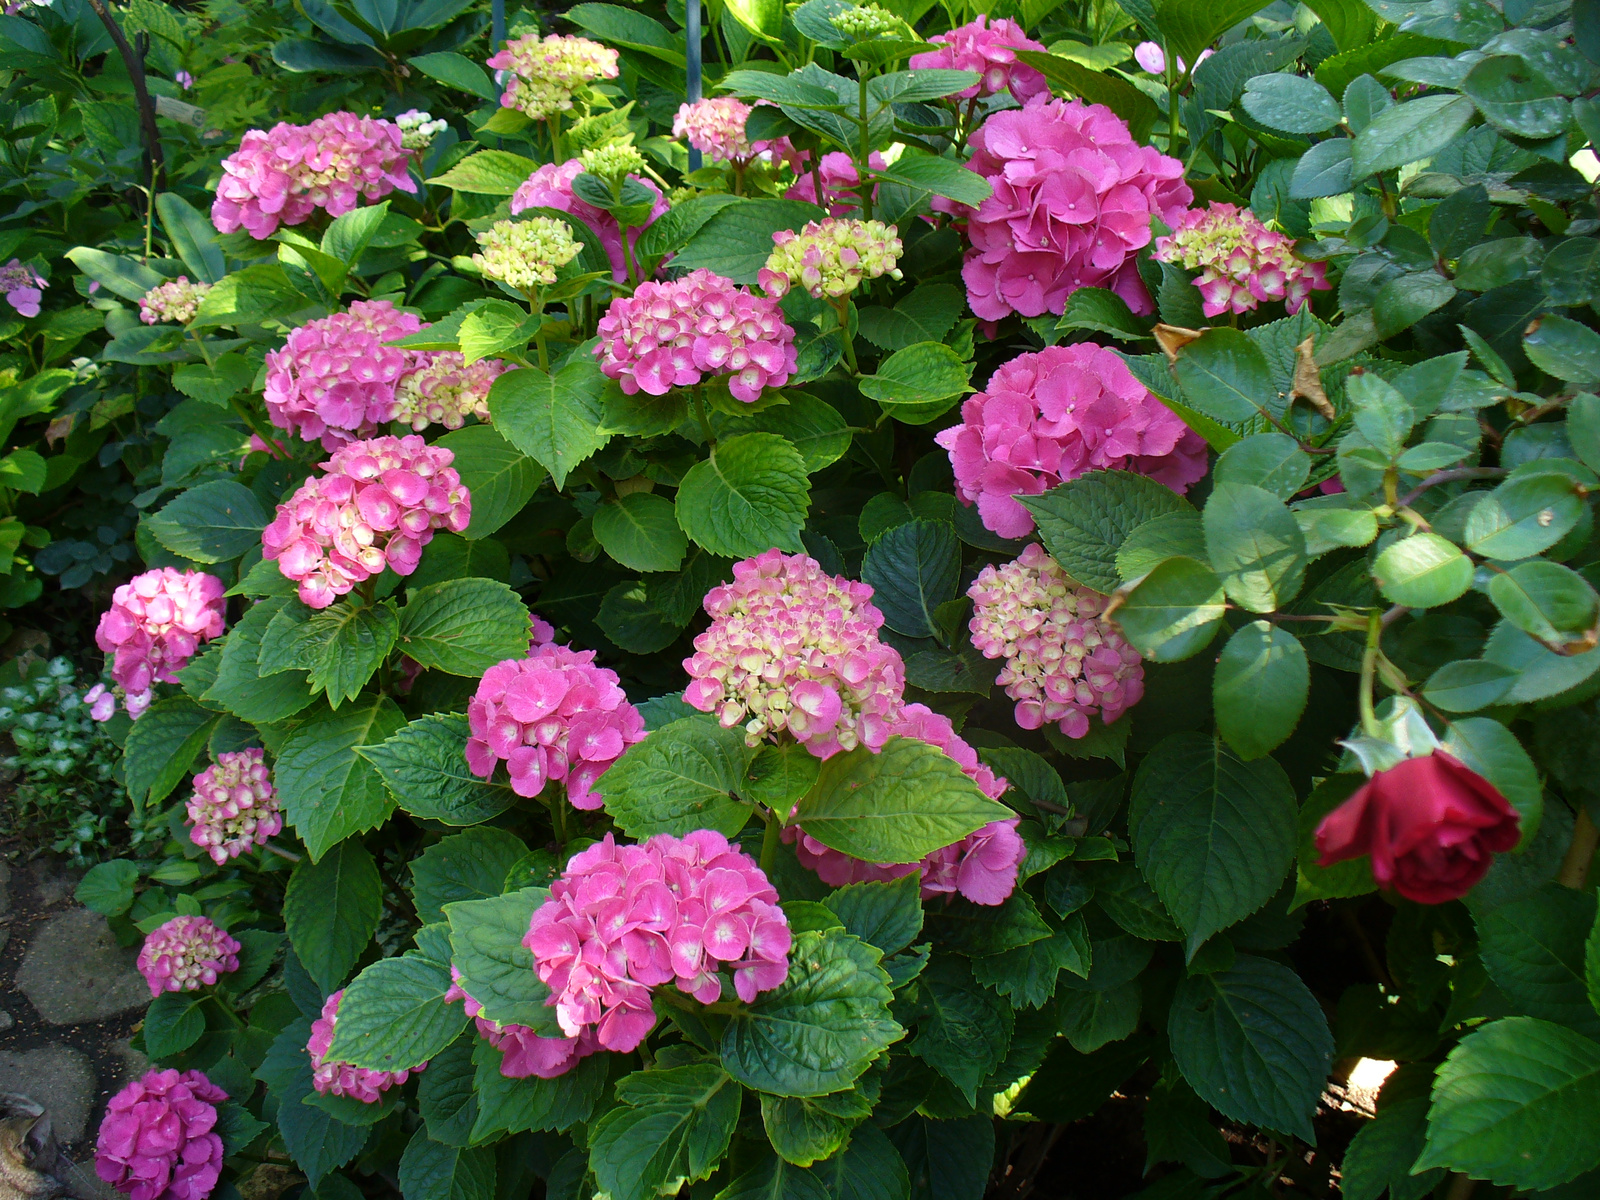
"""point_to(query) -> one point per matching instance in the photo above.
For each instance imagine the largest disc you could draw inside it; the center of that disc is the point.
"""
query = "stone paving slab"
(58, 1077)
(75, 971)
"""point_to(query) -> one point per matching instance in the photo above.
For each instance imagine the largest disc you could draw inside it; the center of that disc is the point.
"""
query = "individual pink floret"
(23, 287)
(234, 807)
(839, 178)
(524, 1052)
(345, 1079)
(551, 187)
(678, 334)
(551, 716)
(377, 506)
(1049, 417)
(989, 48)
(1241, 262)
(155, 624)
(283, 175)
(1065, 662)
(623, 920)
(186, 954)
(159, 1141)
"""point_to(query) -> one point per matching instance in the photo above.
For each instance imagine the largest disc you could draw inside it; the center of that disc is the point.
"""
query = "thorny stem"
(1580, 854)
(1450, 476)
(1369, 668)
(282, 853)
(141, 95)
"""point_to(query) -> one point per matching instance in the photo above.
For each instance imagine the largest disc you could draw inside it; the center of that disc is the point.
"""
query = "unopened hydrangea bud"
(523, 1052)
(1240, 261)
(551, 187)
(234, 808)
(446, 391)
(525, 255)
(335, 1078)
(868, 21)
(830, 258)
(544, 73)
(177, 301)
(155, 624)
(186, 954)
(159, 1139)
(418, 129)
(1064, 662)
(613, 163)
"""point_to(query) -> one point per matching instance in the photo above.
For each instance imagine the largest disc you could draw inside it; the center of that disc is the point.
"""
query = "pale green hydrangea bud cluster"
(868, 21)
(175, 301)
(613, 163)
(525, 255)
(830, 258)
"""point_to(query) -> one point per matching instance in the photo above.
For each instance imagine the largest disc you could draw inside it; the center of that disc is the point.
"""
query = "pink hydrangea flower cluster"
(177, 301)
(186, 954)
(377, 506)
(543, 73)
(839, 178)
(156, 622)
(1241, 262)
(159, 1141)
(23, 286)
(1048, 417)
(1073, 197)
(622, 920)
(681, 333)
(830, 258)
(715, 127)
(282, 176)
(524, 1052)
(446, 391)
(551, 187)
(793, 648)
(335, 378)
(989, 48)
(234, 807)
(335, 1078)
(552, 715)
(1064, 661)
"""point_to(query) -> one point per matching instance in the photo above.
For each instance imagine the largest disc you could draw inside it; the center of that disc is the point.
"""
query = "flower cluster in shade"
(283, 175)
(159, 1141)
(840, 180)
(234, 807)
(989, 48)
(543, 73)
(1073, 197)
(681, 333)
(418, 129)
(793, 649)
(551, 716)
(526, 255)
(1049, 417)
(551, 187)
(622, 920)
(377, 505)
(23, 286)
(715, 126)
(186, 954)
(155, 624)
(1240, 261)
(1151, 57)
(830, 258)
(446, 390)
(177, 301)
(1065, 662)
(523, 1051)
(335, 1078)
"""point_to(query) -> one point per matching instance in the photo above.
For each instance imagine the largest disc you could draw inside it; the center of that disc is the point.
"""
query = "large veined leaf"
(679, 779)
(327, 789)
(331, 911)
(1534, 950)
(1083, 522)
(672, 1124)
(393, 1016)
(496, 968)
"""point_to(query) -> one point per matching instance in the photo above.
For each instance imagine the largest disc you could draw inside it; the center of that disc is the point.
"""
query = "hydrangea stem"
(698, 393)
(769, 843)
(1580, 853)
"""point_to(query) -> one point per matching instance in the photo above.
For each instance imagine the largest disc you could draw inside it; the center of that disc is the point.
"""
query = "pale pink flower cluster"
(23, 286)
(345, 1079)
(830, 258)
(622, 920)
(715, 127)
(543, 73)
(551, 187)
(234, 807)
(793, 648)
(1153, 58)
(336, 377)
(186, 954)
(839, 178)
(156, 622)
(989, 48)
(282, 176)
(377, 506)
(1241, 262)
(551, 716)
(177, 301)
(1073, 197)
(1048, 417)
(1064, 662)
(446, 391)
(681, 333)
(159, 1141)
(524, 1052)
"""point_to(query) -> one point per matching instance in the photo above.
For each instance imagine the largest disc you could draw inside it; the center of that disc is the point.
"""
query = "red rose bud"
(1430, 824)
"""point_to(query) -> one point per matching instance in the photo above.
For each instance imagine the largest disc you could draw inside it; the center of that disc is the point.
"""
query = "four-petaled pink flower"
(524, 1052)
(155, 624)
(1240, 261)
(989, 48)
(335, 1078)
(186, 954)
(23, 286)
(159, 1141)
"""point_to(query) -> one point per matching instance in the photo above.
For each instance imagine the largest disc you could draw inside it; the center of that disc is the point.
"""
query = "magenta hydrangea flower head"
(159, 1141)
(155, 624)
(524, 1052)
(282, 176)
(839, 178)
(234, 807)
(552, 715)
(551, 187)
(186, 954)
(1241, 262)
(989, 48)
(623, 920)
(681, 333)
(543, 73)
(23, 286)
(1064, 661)
(1048, 417)
(176, 301)
(1073, 197)
(335, 1078)
(446, 390)
(830, 258)
(336, 377)
(792, 648)
(377, 505)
